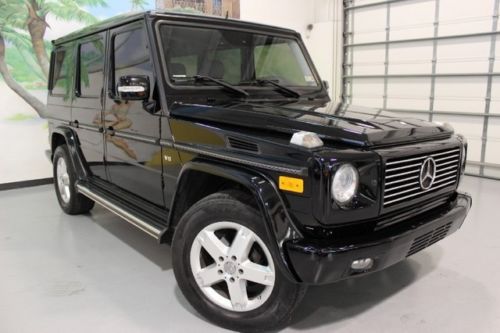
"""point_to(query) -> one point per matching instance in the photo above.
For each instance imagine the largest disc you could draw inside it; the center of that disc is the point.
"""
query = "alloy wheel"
(232, 266)
(63, 182)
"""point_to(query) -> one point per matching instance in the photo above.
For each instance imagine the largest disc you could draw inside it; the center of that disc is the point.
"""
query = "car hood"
(351, 125)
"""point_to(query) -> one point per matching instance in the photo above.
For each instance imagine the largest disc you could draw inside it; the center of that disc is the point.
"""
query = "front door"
(133, 152)
(88, 101)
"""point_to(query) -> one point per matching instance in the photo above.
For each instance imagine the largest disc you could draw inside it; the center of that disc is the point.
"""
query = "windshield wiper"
(281, 87)
(202, 78)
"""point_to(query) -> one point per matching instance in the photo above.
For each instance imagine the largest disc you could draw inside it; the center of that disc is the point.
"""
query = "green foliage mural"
(24, 50)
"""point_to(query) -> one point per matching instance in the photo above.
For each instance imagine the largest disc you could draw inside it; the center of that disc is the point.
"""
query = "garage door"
(432, 59)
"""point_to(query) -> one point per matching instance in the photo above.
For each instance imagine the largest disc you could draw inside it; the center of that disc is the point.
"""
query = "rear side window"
(60, 78)
(91, 68)
(131, 55)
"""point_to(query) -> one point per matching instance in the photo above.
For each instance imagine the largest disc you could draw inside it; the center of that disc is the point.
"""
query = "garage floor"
(96, 273)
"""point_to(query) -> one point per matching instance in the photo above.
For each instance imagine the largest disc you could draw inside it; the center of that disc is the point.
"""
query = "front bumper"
(321, 261)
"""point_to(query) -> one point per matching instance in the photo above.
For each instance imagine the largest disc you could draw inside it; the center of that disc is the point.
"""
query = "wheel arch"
(64, 135)
(210, 177)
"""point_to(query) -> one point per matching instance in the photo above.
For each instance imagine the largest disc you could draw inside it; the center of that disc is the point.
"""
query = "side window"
(131, 55)
(91, 68)
(60, 77)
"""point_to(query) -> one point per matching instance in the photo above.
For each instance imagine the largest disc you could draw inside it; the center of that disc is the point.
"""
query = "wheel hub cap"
(230, 268)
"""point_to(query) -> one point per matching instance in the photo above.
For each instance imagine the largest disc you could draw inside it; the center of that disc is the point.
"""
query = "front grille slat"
(454, 156)
(446, 173)
(401, 180)
(405, 167)
(402, 175)
(416, 188)
(401, 186)
(415, 194)
(447, 168)
(448, 162)
(405, 160)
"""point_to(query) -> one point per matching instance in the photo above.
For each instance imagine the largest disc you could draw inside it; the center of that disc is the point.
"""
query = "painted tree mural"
(23, 24)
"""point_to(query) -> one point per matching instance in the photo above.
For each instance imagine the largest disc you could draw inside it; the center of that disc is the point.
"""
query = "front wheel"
(225, 269)
(69, 199)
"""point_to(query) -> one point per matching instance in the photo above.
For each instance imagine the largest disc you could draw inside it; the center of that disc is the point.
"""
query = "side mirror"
(133, 88)
(326, 84)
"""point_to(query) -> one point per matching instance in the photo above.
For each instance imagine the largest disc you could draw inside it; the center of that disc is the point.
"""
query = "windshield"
(235, 57)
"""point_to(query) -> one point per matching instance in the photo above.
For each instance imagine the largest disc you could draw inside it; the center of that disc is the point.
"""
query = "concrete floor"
(97, 273)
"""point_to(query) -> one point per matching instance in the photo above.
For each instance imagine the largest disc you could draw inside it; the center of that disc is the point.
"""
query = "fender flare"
(75, 153)
(279, 225)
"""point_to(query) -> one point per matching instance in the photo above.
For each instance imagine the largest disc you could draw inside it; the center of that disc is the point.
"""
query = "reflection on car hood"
(353, 125)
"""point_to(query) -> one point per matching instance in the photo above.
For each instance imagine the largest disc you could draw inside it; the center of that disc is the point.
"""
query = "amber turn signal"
(291, 184)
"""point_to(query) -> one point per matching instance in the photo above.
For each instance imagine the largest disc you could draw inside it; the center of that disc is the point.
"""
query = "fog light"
(362, 264)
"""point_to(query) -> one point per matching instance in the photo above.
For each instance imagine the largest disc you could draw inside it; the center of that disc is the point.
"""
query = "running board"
(120, 211)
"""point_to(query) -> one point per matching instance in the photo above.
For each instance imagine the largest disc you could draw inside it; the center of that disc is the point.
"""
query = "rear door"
(133, 151)
(88, 101)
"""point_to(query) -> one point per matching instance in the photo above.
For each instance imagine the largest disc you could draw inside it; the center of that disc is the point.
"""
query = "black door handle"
(111, 130)
(75, 123)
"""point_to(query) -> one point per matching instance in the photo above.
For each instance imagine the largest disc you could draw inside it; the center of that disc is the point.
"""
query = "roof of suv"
(135, 16)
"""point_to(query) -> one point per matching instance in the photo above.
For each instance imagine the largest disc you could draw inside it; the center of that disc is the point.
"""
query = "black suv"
(219, 137)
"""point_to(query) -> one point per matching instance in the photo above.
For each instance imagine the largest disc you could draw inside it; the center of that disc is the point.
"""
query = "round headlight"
(345, 183)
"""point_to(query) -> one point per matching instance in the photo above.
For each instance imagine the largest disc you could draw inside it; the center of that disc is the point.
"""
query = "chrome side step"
(129, 217)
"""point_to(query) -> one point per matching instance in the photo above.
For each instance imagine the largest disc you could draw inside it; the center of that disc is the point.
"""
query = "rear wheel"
(69, 199)
(225, 269)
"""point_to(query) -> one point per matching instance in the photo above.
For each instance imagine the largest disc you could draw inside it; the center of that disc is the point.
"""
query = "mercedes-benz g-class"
(219, 137)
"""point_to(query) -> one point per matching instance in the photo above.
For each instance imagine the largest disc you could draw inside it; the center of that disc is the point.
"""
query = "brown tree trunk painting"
(36, 28)
(16, 87)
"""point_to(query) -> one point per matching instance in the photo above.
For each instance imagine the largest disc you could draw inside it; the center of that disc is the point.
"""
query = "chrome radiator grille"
(403, 176)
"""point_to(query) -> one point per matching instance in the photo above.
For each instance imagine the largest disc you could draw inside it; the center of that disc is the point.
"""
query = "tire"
(70, 200)
(266, 306)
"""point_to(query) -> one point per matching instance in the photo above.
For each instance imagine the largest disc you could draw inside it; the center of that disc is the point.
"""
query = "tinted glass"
(61, 75)
(236, 57)
(91, 68)
(282, 59)
(131, 54)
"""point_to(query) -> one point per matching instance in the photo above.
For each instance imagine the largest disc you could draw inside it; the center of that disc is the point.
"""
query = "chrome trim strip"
(445, 179)
(166, 143)
(135, 137)
(454, 156)
(132, 219)
(446, 163)
(401, 174)
(418, 188)
(447, 168)
(278, 168)
(401, 180)
(398, 187)
(87, 128)
(403, 167)
(445, 174)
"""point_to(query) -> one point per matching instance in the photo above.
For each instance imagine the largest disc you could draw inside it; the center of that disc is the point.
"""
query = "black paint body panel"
(322, 262)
